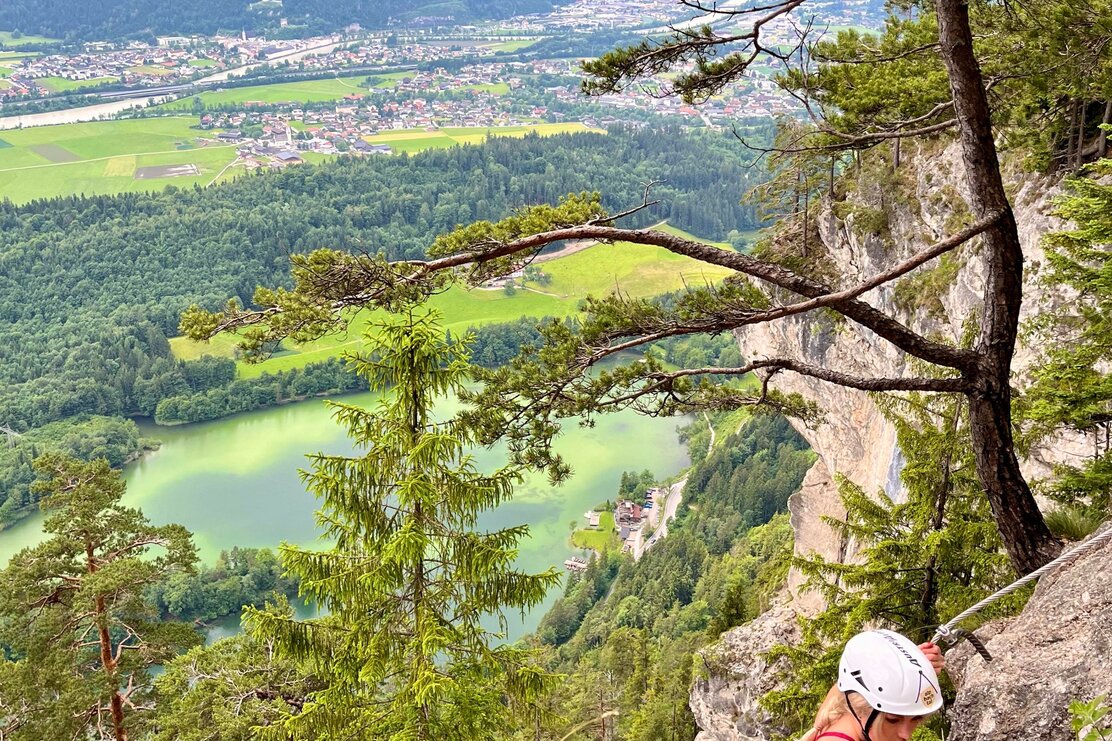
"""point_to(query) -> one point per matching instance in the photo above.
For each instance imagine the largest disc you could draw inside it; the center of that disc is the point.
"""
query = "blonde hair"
(833, 708)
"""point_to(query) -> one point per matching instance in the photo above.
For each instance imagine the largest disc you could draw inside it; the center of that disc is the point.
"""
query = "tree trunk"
(1070, 129)
(1080, 157)
(1102, 142)
(1028, 541)
(116, 703)
(806, 218)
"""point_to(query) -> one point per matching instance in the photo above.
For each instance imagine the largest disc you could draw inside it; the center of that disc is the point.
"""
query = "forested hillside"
(626, 632)
(109, 19)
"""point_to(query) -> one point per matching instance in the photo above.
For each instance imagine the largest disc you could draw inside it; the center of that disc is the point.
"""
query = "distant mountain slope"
(107, 19)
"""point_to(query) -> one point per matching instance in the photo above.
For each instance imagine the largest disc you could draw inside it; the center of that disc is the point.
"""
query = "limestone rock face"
(924, 204)
(921, 204)
(725, 703)
(1059, 649)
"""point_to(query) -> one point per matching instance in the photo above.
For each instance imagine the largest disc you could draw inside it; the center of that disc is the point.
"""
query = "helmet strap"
(868, 722)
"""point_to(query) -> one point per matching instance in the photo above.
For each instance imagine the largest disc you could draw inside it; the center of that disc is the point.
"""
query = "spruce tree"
(78, 630)
(409, 583)
(1072, 387)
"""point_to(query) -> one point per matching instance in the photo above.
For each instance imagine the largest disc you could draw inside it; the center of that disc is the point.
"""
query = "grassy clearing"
(62, 85)
(390, 80)
(151, 69)
(6, 39)
(638, 270)
(416, 140)
(732, 422)
(516, 45)
(204, 63)
(223, 346)
(494, 88)
(108, 154)
(305, 91)
(597, 540)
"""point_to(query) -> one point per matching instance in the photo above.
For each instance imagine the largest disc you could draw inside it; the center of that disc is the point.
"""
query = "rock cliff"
(1059, 649)
(886, 218)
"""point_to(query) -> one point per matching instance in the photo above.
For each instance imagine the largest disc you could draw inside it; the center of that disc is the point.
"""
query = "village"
(637, 524)
(583, 16)
(137, 65)
(476, 95)
(176, 60)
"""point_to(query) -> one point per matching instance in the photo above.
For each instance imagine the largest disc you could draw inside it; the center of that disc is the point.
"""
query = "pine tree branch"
(844, 302)
(949, 385)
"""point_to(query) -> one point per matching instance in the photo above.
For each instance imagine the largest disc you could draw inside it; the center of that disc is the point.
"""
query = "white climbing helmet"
(890, 673)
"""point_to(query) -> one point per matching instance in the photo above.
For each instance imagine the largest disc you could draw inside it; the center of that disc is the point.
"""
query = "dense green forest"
(111, 19)
(240, 577)
(116, 440)
(90, 287)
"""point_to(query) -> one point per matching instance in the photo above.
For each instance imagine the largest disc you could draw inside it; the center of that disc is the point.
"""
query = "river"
(78, 115)
(109, 110)
(234, 482)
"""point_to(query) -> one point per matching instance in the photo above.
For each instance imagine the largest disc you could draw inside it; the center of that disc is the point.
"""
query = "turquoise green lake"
(234, 482)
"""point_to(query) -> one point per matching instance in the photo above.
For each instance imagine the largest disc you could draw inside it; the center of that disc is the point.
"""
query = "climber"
(886, 687)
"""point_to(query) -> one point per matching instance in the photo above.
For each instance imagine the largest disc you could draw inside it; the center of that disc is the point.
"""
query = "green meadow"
(494, 88)
(6, 39)
(102, 157)
(389, 81)
(601, 539)
(304, 91)
(516, 45)
(637, 270)
(62, 85)
(416, 140)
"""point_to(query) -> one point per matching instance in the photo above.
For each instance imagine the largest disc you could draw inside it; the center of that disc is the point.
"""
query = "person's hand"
(933, 654)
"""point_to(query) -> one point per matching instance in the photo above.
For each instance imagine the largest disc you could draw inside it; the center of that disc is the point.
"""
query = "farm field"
(516, 45)
(638, 270)
(105, 157)
(62, 85)
(102, 157)
(10, 61)
(416, 140)
(304, 91)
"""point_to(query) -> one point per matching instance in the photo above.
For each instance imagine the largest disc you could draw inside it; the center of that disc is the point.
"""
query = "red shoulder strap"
(835, 734)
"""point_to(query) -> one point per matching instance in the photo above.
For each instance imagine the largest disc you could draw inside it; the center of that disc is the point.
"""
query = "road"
(671, 504)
